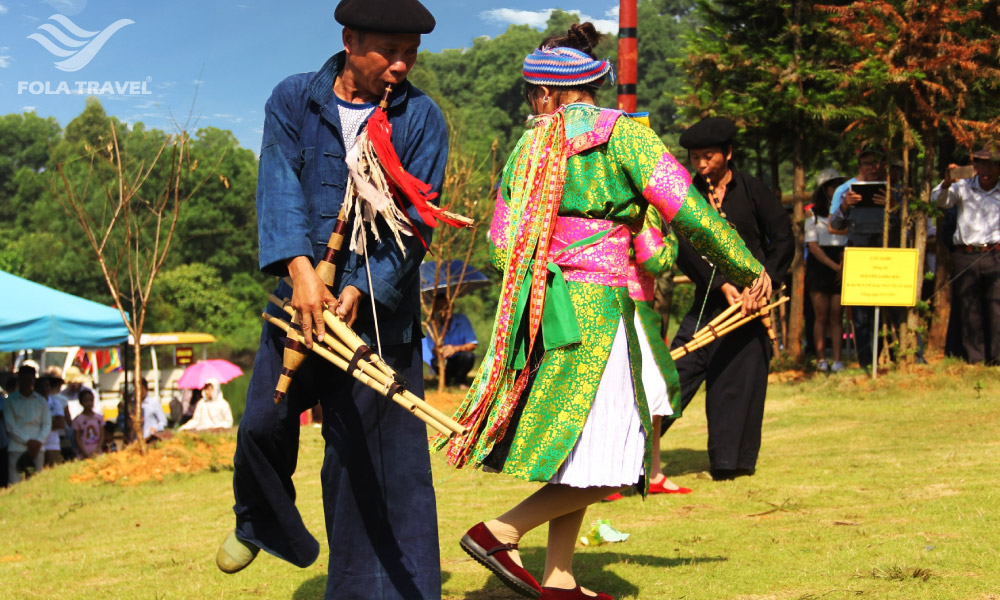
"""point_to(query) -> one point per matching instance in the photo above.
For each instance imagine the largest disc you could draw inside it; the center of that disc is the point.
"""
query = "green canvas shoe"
(235, 554)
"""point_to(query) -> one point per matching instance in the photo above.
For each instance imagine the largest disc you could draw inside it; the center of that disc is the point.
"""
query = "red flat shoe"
(657, 488)
(613, 497)
(488, 551)
(550, 593)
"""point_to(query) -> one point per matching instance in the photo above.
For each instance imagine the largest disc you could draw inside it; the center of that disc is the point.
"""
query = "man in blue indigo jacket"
(378, 494)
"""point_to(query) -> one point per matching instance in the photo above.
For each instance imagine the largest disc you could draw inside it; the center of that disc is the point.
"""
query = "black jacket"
(757, 215)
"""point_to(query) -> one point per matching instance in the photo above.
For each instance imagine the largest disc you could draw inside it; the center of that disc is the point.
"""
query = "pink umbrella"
(196, 375)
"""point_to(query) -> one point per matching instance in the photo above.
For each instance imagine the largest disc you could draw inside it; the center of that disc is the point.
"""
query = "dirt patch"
(183, 453)
(447, 401)
(787, 376)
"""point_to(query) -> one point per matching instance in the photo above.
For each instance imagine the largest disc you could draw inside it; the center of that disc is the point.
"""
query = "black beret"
(708, 133)
(385, 16)
(872, 148)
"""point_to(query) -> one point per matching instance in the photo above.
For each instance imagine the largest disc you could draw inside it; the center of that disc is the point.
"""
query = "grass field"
(884, 490)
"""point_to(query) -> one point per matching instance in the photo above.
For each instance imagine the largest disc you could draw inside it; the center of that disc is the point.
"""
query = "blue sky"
(151, 62)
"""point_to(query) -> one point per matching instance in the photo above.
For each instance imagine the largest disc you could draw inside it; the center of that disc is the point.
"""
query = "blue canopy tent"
(33, 316)
(449, 278)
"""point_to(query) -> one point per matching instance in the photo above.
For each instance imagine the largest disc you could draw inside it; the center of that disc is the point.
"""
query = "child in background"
(109, 437)
(88, 427)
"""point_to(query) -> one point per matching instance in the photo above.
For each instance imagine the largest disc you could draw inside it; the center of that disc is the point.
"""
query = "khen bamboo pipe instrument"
(295, 352)
(354, 353)
(724, 326)
(707, 335)
(358, 374)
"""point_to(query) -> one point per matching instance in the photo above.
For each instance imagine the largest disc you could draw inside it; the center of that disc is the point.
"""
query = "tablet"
(867, 191)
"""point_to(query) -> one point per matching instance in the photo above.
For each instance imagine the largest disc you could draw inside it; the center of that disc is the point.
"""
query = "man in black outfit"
(735, 367)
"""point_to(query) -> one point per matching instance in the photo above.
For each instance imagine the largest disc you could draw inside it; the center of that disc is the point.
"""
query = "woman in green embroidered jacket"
(559, 398)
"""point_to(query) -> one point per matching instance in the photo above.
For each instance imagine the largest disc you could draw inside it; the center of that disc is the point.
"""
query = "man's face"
(380, 59)
(871, 167)
(988, 172)
(25, 382)
(440, 303)
(710, 162)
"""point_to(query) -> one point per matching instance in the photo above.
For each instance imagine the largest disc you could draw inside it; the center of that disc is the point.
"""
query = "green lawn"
(883, 490)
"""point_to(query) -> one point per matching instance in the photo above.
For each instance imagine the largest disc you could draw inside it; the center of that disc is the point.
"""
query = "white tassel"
(367, 195)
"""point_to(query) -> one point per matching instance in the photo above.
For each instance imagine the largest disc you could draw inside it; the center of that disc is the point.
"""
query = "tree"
(127, 206)
(467, 189)
(919, 66)
(663, 28)
(25, 143)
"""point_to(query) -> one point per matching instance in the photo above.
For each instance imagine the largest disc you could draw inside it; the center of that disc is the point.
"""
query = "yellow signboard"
(183, 355)
(880, 277)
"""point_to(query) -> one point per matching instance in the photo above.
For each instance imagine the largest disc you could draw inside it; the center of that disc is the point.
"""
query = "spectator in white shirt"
(976, 256)
(28, 422)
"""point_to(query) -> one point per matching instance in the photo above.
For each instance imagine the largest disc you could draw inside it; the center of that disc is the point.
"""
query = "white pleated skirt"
(612, 444)
(657, 396)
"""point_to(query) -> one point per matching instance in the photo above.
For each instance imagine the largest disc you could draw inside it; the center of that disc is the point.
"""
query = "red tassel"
(417, 192)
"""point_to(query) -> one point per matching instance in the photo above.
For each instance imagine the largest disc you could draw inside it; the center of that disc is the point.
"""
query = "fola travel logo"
(73, 43)
(75, 47)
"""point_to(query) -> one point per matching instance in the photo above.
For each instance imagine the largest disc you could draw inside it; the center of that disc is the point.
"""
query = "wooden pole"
(628, 55)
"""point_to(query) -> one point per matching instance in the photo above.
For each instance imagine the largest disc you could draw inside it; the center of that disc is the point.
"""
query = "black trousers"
(378, 495)
(977, 289)
(457, 367)
(734, 370)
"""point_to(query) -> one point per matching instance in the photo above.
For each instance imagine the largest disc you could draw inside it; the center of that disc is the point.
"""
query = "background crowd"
(50, 419)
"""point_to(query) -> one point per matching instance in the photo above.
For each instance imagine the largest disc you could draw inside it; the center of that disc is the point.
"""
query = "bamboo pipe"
(718, 325)
(340, 330)
(294, 353)
(710, 327)
(764, 311)
(346, 343)
(706, 336)
(326, 268)
(292, 358)
(359, 375)
(353, 342)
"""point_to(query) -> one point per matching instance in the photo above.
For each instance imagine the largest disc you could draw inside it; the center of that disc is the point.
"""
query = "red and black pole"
(628, 55)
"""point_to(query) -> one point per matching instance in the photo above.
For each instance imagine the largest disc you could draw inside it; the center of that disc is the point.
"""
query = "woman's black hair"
(580, 36)
(821, 202)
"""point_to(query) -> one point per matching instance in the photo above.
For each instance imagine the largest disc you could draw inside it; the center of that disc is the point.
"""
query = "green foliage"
(215, 249)
(766, 65)
(663, 27)
(193, 297)
(219, 225)
(25, 142)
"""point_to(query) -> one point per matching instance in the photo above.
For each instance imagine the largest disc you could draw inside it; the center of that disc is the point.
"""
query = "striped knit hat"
(564, 67)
